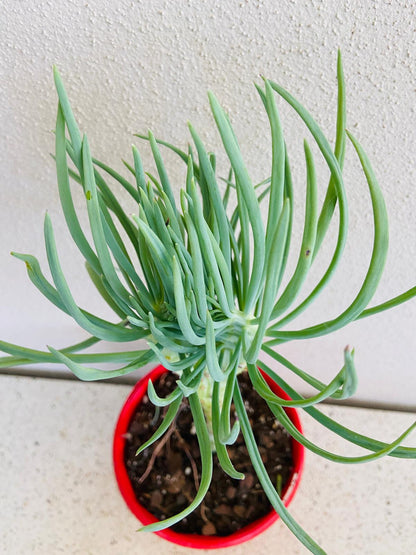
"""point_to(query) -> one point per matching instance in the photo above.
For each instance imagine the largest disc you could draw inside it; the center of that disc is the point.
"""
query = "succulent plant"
(201, 281)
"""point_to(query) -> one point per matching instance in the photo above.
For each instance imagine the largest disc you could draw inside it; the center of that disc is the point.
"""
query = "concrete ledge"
(59, 494)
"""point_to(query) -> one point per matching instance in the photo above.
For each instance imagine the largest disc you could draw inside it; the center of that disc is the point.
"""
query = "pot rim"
(197, 541)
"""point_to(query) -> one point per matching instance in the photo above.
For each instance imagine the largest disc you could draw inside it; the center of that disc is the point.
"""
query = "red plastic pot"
(193, 540)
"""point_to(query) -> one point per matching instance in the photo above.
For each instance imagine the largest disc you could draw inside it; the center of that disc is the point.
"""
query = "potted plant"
(208, 298)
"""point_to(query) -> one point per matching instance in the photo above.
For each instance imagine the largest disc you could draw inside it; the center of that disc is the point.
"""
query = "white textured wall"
(130, 65)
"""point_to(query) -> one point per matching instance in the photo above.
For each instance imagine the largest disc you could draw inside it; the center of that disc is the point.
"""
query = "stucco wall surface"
(133, 65)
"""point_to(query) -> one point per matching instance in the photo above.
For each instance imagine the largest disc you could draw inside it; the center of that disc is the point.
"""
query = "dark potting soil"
(165, 477)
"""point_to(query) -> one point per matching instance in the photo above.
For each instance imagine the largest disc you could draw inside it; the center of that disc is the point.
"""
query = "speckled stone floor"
(58, 496)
